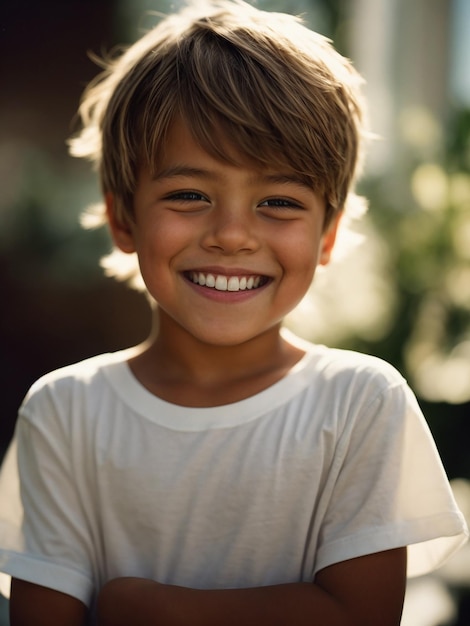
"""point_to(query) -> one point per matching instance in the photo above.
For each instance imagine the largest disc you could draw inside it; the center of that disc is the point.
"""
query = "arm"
(33, 605)
(365, 591)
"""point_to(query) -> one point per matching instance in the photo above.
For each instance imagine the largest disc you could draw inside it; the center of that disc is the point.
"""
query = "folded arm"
(360, 592)
(34, 605)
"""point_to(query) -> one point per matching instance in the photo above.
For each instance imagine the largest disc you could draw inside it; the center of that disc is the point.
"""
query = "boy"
(224, 472)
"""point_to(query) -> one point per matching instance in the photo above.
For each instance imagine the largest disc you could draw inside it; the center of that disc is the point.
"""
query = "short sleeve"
(390, 489)
(43, 529)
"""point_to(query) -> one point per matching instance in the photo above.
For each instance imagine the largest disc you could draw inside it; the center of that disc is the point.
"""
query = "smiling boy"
(227, 251)
(224, 472)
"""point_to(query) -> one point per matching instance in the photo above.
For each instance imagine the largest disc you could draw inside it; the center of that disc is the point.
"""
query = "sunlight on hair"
(124, 267)
(93, 216)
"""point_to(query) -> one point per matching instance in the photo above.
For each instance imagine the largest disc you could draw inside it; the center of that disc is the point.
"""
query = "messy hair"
(278, 92)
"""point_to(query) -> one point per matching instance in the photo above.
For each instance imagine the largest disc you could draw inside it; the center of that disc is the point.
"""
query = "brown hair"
(277, 90)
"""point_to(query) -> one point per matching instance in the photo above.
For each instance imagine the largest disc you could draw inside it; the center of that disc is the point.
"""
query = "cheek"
(161, 240)
(299, 253)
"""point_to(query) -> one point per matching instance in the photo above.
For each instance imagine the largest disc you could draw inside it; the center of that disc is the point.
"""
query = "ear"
(121, 232)
(328, 240)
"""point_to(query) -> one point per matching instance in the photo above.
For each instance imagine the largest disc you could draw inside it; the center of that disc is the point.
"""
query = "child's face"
(227, 251)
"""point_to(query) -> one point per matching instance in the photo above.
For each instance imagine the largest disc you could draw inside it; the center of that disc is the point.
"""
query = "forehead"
(182, 148)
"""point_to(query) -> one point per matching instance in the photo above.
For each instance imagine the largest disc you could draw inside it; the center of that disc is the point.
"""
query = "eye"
(280, 203)
(280, 207)
(186, 201)
(186, 196)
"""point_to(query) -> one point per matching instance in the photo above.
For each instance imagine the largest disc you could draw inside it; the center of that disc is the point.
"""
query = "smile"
(227, 283)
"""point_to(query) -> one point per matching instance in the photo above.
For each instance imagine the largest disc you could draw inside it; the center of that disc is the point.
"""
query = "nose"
(231, 231)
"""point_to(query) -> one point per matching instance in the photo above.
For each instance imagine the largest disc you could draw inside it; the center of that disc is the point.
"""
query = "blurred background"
(402, 294)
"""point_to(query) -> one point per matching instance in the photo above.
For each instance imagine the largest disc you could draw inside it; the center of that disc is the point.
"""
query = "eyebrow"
(184, 171)
(176, 171)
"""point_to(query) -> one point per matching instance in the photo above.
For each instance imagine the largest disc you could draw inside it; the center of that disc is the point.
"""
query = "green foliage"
(428, 242)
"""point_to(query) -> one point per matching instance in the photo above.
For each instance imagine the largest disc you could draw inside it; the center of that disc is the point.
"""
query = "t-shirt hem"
(430, 542)
(42, 572)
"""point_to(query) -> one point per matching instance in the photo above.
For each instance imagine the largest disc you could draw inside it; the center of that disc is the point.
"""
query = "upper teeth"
(225, 283)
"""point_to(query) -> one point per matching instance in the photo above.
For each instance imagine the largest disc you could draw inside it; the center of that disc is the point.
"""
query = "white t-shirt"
(332, 462)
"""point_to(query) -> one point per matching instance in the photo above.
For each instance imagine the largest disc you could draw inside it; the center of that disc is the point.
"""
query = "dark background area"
(48, 318)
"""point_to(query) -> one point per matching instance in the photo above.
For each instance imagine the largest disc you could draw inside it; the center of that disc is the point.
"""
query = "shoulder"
(347, 387)
(82, 372)
(347, 368)
(65, 387)
(357, 368)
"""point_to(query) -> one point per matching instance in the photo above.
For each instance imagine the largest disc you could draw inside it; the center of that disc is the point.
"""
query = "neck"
(173, 359)
(193, 359)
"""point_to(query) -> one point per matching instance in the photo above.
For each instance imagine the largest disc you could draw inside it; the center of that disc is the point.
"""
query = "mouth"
(220, 282)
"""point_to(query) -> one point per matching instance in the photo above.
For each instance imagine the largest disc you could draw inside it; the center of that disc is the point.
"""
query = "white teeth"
(233, 284)
(221, 283)
(226, 283)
